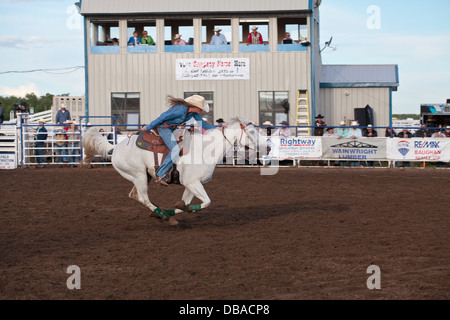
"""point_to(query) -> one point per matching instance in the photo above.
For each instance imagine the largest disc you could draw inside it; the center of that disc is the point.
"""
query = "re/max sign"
(426, 144)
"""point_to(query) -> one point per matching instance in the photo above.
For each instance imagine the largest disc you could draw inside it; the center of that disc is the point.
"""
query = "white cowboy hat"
(62, 105)
(177, 36)
(41, 120)
(217, 29)
(354, 123)
(267, 123)
(254, 28)
(369, 126)
(198, 101)
(342, 123)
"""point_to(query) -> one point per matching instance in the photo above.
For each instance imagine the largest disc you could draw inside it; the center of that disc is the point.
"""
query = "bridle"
(243, 127)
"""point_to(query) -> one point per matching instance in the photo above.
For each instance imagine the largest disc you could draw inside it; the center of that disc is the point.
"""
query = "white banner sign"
(350, 149)
(8, 161)
(213, 69)
(295, 147)
(418, 149)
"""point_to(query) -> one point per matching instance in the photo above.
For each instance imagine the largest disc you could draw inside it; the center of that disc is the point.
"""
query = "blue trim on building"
(357, 84)
(105, 49)
(186, 48)
(292, 47)
(141, 49)
(390, 107)
(216, 48)
(254, 48)
(313, 69)
(86, 76)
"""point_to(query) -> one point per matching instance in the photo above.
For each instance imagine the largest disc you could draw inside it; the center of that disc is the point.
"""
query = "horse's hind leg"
(133, 193)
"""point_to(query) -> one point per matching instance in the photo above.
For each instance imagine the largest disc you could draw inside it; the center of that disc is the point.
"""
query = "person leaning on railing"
(40, 135)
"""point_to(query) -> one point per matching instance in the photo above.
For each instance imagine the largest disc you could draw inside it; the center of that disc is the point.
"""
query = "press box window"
(126, 108)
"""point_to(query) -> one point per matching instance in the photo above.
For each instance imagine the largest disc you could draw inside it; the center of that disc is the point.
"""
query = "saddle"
(153, 142)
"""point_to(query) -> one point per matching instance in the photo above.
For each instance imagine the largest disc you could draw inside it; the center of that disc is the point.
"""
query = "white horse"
(195, 168)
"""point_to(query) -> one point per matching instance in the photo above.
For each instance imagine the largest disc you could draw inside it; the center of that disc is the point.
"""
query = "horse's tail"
(95, 144)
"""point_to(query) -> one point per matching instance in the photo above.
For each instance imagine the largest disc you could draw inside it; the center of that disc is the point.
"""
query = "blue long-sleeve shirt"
(178, 115)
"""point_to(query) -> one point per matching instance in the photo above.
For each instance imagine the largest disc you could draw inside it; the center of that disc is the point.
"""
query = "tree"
(39, 104)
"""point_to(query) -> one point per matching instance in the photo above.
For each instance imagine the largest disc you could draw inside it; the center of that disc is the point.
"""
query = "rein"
(240, 138)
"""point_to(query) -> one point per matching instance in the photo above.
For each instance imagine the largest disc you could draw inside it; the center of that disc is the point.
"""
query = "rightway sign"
(418, 149)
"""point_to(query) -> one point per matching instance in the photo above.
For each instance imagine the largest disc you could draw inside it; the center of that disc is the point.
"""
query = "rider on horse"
(181, 111)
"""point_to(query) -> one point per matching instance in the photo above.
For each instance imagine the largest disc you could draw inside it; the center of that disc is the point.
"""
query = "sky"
(413, 34)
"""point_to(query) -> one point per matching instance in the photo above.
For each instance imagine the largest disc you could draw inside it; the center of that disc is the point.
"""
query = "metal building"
(275, 80)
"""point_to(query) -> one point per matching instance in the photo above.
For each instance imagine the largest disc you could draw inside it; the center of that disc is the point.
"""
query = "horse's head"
(243, 132)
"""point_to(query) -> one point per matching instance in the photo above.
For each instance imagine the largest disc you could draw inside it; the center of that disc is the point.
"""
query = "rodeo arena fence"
(19, 147)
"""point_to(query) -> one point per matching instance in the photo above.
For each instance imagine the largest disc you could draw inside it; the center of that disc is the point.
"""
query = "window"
(247, 24)
(297, 28)
(141, 26)
(103, 31)
(209, 100)
(273, 106)
(126, 108)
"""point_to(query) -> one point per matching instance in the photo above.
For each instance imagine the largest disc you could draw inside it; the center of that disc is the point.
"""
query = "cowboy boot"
(161, 181)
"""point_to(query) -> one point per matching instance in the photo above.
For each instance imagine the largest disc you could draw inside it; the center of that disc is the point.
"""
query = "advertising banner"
(428, 149)
(354, 149)
(213, 69)
(284, 148)
(8, 161)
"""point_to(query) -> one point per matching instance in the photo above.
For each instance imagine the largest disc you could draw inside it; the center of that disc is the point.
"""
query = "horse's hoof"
(180, 205)
(173, 221)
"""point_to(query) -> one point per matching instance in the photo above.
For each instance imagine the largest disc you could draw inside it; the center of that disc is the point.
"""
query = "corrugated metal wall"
(336, 105)
(153, 76)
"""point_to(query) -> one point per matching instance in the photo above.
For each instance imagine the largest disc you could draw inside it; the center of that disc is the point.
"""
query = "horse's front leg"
(185, 201)
(196, 189)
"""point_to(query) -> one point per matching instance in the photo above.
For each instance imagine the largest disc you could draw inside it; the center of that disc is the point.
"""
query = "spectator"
(421, 133)
(318, 125)
(388, 133)
(134, 40)
(438, 134)
(404, 134)
(341, 132)
(447, 131)
(370, 132)
(178, 41)
(284, 131)
(62, 115)
(267, 129)
(287, 39)
(115, 42)
(146, 39)
(73, 141)
(218, 39)
(180, 112)
(354, 132)
(61, 144)
(40, 136)
(220, 122)
(254, 37)
(330, 133)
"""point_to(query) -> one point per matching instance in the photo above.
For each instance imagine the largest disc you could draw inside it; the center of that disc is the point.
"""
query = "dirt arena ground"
(304, 233)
